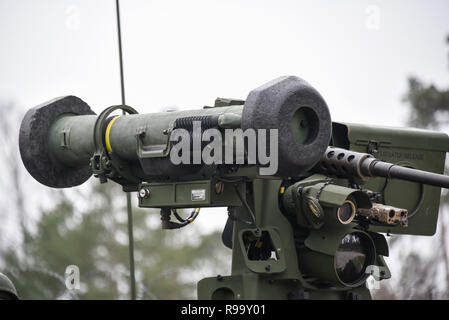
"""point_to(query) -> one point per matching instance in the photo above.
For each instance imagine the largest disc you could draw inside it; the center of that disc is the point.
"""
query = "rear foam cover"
(33, 143)
(273, 106)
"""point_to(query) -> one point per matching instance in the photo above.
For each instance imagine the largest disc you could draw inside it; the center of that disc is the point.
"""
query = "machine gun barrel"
(346, 163)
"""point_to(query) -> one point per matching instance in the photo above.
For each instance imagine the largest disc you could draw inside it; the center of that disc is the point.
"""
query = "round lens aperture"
(355, 253)
(346, 212)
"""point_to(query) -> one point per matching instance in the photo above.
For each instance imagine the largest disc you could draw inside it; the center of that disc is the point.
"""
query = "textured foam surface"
(34, 147)
(273, 105)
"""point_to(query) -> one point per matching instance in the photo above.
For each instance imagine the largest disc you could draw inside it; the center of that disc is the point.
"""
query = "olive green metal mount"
(277, 276)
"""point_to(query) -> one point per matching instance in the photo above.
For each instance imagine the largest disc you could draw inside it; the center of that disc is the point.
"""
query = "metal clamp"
(105, 164)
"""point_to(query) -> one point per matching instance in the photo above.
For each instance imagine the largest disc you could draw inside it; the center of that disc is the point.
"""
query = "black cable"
(420, 201)
(128, 195)
(182, 222)
(234, 218)
(235, 183)
(119, 34)
(188, 220)
(253, 217)
(177, 216)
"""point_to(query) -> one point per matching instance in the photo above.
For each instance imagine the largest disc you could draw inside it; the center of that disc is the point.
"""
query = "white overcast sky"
(357, 54)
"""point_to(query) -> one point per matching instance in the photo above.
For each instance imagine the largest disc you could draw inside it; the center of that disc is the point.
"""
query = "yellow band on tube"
(108, 130)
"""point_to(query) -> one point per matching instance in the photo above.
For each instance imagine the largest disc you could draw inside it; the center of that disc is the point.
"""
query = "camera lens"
(353, 256)
(346, 212)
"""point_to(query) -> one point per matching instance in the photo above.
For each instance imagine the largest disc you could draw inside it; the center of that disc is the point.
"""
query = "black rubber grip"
(207, 122)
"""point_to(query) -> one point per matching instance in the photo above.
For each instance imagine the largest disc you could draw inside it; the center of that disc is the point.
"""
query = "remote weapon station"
(308, 199)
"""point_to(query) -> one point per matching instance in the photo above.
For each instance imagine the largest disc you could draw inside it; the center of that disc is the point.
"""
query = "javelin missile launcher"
(308, 200)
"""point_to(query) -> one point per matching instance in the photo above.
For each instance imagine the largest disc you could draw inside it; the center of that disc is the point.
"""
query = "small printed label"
(198, 195)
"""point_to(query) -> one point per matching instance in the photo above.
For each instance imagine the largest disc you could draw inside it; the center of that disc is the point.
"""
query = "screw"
(144, 193)
(220, 277)
(268, 267)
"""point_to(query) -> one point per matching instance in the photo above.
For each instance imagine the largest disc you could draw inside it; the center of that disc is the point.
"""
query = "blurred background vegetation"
(424, 275)
(95, 239)
(87, 227)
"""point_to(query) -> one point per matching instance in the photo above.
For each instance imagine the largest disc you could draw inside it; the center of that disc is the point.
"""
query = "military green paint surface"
(273, 278)
(414, 148)
(286, 232)
(270, 279)
(70, 137)
(190, 194)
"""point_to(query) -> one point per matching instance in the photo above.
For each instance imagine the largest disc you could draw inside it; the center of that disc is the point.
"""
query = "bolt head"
(144, 193)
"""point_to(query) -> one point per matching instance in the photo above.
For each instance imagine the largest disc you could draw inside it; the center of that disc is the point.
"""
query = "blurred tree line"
(424, 276)
(88, 228)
